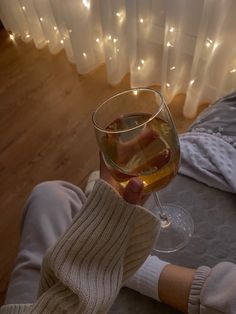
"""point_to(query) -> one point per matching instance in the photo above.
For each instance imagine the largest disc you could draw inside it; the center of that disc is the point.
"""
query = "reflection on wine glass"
(137, 138)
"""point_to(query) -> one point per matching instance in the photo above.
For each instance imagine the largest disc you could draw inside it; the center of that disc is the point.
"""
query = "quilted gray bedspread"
(214, 239)
(205, 188)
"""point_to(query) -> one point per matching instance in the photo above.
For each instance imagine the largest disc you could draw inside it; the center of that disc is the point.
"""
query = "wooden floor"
(45, 130)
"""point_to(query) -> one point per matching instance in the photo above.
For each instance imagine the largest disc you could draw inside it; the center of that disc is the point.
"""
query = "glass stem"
(165, 221)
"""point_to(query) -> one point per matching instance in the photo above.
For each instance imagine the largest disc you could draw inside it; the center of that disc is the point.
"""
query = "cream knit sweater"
(106, 244)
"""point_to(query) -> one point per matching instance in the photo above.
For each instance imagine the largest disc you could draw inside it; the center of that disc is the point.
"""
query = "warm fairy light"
(120, 16)
(84, 55)
(141, 20)
(23, 8)
(215, 46)
(117, 49)
(97, 40)
(191, 82)
(139, 67)
(209, 42)
(115, 40)
(70, 31)
(169, 44)
(172, 68)
(55, 28)
(167, 85)
(41, 19)
(135, 92)
(110, 58)
(62, 41)
(27, 36)
(172, 29)
(86, 3)
(233, 71)
(109, 37)
(144, 183)
(12, 37)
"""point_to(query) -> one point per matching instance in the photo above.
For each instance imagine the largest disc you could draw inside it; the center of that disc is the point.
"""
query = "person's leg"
(47, 214)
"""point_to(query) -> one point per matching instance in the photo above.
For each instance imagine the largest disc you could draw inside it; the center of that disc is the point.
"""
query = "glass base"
(176, 231)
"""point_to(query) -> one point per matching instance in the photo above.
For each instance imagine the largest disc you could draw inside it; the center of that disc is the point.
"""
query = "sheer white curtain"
(183, 45)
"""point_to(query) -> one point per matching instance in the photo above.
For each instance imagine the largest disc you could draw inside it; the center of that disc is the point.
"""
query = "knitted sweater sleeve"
(106, 244)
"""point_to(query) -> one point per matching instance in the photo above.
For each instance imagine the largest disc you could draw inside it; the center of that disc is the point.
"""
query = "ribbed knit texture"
(145, 280)
(106, 244)
(194, 298)
(15, 308)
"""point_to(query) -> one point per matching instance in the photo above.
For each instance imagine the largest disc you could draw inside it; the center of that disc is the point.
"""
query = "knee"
(55, 197)
(47, 196)
(46, 201)
(47, 214)
(45, 189)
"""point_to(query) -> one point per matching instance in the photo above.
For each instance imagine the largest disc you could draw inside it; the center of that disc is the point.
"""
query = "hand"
(134, 191)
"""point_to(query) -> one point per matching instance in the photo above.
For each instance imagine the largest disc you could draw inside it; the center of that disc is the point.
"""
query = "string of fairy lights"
(114, 43)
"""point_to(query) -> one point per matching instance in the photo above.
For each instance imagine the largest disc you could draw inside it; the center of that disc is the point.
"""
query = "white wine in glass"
(137, 138)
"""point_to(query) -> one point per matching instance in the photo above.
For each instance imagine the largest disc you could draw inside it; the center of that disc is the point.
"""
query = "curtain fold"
(185, 46)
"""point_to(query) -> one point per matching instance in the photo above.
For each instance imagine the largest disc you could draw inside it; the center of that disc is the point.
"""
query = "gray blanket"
(208, 150)
(209, 159)
(208, 169)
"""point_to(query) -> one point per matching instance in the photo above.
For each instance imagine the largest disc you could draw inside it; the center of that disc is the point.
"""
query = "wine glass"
(137, 138)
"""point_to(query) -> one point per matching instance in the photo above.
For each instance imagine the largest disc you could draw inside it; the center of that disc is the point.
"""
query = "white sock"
(92, 179)
(145, 280)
